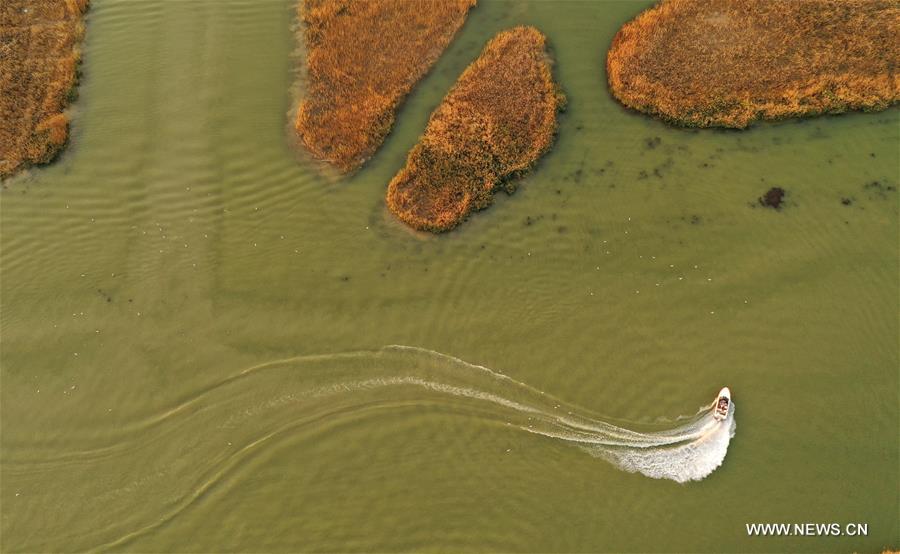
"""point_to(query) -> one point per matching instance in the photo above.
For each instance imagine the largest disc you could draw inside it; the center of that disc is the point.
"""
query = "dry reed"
(39, 57)
(494, 124)
(730, 62)
(363, 58)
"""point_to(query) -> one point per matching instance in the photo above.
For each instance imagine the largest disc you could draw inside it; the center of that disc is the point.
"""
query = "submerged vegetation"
(495, 123)
(773, 198)
(362, 59)
(39, 57)
(729, 62)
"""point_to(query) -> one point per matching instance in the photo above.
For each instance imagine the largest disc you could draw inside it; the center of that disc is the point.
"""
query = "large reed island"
(492, 126)
(362, 59)
(39, 57)
(728, 63)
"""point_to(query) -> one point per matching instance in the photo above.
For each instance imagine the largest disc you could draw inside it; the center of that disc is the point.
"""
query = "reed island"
(492, 126)
(362, 59)
(728, 63)
(39, 56)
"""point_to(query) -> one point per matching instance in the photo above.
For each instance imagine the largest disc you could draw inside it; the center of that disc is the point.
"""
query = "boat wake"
(207, 440)
(687, 451)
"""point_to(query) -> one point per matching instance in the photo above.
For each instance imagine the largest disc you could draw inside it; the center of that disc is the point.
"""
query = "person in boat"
(722, 404)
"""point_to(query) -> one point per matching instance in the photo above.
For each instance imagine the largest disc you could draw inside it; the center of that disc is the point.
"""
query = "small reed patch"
(727, 63)
(39, 57)
(496, 122)
(362, 59)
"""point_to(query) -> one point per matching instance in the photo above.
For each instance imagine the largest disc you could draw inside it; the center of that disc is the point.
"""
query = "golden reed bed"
(729, 62)
(38, 71)
(363, 58)
(494, 124)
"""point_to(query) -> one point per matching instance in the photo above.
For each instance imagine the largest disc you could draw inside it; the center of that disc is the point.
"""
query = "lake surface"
(194, 317)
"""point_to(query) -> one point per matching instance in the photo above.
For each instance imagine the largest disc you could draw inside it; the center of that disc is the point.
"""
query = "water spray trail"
(227, 423)
(690, 450)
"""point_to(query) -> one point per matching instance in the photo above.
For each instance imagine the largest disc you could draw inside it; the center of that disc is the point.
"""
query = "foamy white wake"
(224, 425)
(690, 450)
(689, 460)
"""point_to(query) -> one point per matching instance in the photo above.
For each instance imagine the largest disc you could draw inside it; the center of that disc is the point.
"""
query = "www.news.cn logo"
(807, 529)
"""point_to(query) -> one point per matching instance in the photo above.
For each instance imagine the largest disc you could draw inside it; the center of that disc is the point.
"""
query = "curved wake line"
(252, 410)
(689, 451)
(707, 439)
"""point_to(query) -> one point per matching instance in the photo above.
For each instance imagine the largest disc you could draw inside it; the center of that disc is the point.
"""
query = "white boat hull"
(722, 404)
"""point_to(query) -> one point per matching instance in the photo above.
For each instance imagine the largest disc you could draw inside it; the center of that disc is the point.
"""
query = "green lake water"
(194, 317)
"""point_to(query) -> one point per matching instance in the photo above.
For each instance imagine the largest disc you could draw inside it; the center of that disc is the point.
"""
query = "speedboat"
(723, 404)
